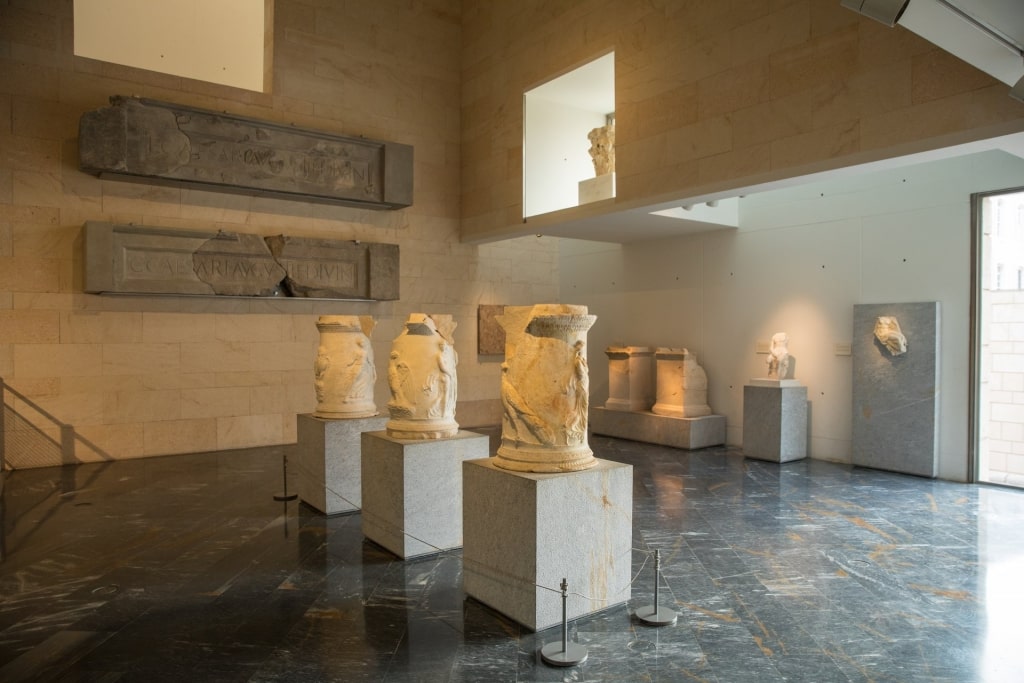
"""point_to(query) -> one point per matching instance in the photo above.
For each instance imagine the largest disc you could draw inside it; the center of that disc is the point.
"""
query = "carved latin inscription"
(135, 260)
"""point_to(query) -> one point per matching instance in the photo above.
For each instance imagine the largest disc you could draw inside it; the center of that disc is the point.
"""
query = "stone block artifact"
(176, 144)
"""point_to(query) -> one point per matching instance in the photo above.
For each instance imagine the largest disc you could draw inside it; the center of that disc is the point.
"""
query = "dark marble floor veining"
(186, 569)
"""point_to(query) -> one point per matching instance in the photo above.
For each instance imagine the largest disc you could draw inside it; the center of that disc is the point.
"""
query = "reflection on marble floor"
(186, 569)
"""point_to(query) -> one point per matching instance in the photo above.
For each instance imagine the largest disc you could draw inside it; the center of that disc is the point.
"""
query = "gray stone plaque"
(175, 144)
(895, 396)
(127, 259)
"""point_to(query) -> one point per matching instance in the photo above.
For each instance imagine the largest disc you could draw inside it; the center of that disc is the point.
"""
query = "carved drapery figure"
(780, 365)
(344, 373)
(545, 386)
(422, 379)
(889, 334)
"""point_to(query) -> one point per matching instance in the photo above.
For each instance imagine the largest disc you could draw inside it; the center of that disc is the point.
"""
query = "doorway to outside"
(999, 317)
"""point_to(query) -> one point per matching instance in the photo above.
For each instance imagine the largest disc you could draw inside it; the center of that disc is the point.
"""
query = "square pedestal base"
(775, 422)
(679, 432)
(329, 465)
(596, 189)
(523, 530)
(412, 491)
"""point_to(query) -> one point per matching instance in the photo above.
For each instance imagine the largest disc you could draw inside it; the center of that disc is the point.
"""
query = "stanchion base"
(656, 615)
(574, 654)
(285, 496)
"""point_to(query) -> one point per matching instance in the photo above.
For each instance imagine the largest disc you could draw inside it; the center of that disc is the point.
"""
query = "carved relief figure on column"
(422, 379)
(889, 334)
(545, 386)
(780, 363)
(344, 373)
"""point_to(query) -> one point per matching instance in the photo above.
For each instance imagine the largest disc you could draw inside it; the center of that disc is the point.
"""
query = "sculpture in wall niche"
(780, 363)
(545, 389)
(422, 379)
(344, 373)
(682, 384)
(889, 334)
(602, 148)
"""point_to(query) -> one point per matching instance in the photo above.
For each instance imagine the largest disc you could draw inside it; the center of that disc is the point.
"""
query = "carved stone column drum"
(630, 378)
(682, 384)
(422, 379)
(344, 371)
(545, 385)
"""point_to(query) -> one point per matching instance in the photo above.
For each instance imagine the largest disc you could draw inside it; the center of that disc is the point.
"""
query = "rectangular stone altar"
(412, 490)
(330, 467)
(775, 420)
(523, 532)
(679, 432)
(174, 144)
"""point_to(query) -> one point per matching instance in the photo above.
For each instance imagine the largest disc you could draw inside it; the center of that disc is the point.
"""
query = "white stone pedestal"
(596, 189)
(329, 464)
(412, 490)
(775, 420)
(522, 530)
(679, 432)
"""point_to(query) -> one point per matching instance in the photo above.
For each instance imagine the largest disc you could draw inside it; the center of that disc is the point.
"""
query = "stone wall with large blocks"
(145, 376)
(713, 96)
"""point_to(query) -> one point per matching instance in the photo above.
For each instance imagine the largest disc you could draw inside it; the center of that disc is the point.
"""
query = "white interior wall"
(556, 154)
(800, 260)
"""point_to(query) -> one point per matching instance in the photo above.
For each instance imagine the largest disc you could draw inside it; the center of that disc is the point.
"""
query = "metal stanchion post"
(564, 653)
(284, 476)
(656, 615)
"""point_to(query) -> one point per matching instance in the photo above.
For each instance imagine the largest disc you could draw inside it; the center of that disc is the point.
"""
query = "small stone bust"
(780, 363)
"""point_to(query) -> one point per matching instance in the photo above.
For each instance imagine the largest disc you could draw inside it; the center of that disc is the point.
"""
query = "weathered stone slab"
(127, 259)
(176, 144)
(896, 396)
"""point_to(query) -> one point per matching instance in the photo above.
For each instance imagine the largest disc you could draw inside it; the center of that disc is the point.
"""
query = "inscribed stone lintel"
(165, 143)
(127, 259)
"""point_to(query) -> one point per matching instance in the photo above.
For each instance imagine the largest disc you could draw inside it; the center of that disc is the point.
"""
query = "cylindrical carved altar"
(545, 384)
(344, 371)
(422, 379)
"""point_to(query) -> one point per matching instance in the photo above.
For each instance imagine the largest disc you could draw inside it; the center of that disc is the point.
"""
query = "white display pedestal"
(523, 530)
(412, 490)
(329, 463)
(596, 189)
(679, 432)
(775, 420)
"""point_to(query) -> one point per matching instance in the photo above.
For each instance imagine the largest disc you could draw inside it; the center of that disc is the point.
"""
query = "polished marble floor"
(186, 569)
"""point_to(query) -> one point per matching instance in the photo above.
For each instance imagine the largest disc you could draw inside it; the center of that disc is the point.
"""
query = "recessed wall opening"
(559, 169)
(219, 41)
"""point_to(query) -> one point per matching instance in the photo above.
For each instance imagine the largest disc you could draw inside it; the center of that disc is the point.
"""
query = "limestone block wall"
(712, 96)
(1002, 397)
(142, 376)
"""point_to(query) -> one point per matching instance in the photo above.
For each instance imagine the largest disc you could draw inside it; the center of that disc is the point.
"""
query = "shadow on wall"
(31, 437)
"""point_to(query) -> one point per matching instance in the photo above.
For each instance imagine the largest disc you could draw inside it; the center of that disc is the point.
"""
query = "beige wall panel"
(831, 88)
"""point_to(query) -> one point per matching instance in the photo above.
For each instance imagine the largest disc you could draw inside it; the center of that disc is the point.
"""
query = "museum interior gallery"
(511, 340)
